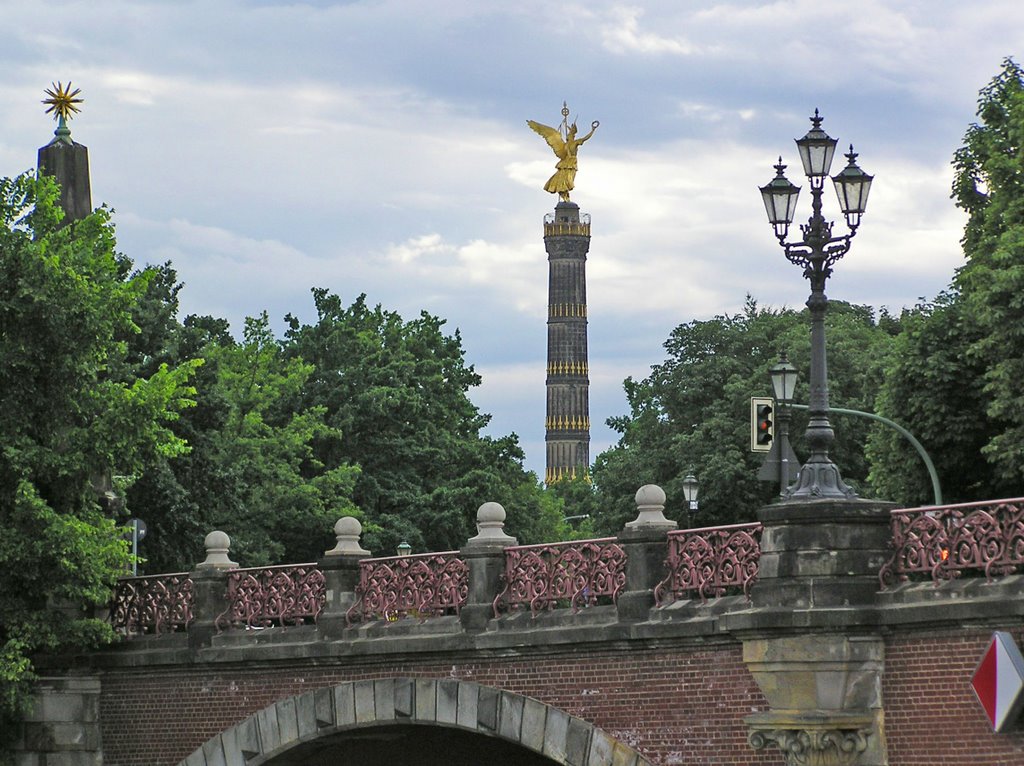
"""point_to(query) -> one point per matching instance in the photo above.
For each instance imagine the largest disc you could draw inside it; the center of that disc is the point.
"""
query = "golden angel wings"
(565, 149)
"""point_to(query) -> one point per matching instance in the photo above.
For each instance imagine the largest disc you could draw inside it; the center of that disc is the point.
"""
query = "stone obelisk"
(63, 159)
(567, 426)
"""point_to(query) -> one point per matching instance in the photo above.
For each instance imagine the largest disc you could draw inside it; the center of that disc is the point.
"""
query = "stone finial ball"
(348, 526)
(650, 494)
(217, 541)
(490, 512)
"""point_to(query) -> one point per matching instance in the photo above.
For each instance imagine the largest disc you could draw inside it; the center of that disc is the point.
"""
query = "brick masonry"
(931, 713)
(673, 706)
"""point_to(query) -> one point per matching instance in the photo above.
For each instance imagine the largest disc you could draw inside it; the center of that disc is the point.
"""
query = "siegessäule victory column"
(567, 240)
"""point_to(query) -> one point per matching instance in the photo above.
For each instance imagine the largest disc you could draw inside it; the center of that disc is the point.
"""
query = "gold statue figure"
(565, 144)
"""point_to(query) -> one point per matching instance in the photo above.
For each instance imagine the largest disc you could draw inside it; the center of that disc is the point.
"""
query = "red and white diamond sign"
(999, 681)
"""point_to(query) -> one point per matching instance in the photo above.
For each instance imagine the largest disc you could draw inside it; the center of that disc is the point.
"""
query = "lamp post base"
(819, 479)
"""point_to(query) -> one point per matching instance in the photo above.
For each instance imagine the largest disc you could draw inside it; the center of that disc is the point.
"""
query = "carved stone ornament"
(814, 747)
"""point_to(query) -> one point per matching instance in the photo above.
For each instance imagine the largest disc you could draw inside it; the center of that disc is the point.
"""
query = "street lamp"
(690, 488)
(784, 377)
(404, 549)
(817, 251)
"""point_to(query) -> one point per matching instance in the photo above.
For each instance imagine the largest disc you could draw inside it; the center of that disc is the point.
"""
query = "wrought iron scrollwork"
(424, 585)
(576, 573)
(706, 562)
(263, 597)
(948, 541)
(153, 604)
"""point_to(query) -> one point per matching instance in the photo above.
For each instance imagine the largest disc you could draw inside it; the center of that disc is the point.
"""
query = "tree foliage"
(397, 392)
(70, 418)
(692, 414)
(955, 377)
(989, 186)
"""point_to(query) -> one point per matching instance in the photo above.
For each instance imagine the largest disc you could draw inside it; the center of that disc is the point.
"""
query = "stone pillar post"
(646, 548)
(340, 566)
(64, 724)
(209, 589)
(485, 556)
(811, 639)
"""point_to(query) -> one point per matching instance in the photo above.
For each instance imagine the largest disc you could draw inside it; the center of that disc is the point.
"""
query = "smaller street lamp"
(784, 376)
(690, 489)
(404, 549)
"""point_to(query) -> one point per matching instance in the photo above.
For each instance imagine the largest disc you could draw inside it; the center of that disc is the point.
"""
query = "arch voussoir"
(447, 702)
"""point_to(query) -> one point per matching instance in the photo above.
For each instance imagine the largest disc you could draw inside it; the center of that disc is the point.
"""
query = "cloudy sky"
(381, 147)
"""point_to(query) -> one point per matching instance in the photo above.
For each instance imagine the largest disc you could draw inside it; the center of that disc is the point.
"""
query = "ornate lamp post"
(817, 252)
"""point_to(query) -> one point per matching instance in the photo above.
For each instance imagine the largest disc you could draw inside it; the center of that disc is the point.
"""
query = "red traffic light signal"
(762, 423)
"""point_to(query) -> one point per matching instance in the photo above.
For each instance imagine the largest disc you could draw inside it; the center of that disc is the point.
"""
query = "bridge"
(829, 632)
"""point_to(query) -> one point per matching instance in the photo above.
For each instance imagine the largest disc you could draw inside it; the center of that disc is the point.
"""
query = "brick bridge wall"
(681, 704)
(672, 705)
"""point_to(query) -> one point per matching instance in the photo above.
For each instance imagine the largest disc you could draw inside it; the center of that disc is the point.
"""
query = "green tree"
(954, 377)
(989, 186)
(289, 498)
(692, 414)
(397, 391)
(69, 417)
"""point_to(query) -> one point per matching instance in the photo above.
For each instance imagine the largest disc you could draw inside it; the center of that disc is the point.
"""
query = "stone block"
(577, 742)
(234, 753)
(247, 737)
(78, 758)
(534, 718)
(364, 701)
(624, 756)
(405, 697)
(426, 699)
(468, 703)
(305, 715)
(487, 708)
(345, 704)
(447, 701)
(287, 721)
(601, 748)
(270, 734)
(510, 718)
(213, 752)
(324, 706)
(384, 698)
(556, 732)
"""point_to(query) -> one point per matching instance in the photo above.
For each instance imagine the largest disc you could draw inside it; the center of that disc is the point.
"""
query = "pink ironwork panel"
(945, 541)
(424, 585)
(575, 573)
(708, 561)
(152, 604)
(264, 596)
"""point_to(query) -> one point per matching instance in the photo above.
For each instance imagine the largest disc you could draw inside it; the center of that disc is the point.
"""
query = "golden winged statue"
(565, 144)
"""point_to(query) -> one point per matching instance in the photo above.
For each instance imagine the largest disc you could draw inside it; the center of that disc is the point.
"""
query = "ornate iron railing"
(262, 597)
(153, 604)
(947, 541)
(709, 561)
(576, 573)
(424, 585)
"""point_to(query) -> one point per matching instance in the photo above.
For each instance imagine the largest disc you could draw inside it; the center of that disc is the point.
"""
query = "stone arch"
(463, 705)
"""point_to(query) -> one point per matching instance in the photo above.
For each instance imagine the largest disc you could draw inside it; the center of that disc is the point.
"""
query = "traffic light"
(762, 423)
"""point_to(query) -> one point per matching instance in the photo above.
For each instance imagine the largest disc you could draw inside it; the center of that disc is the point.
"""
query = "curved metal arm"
(936, 491)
